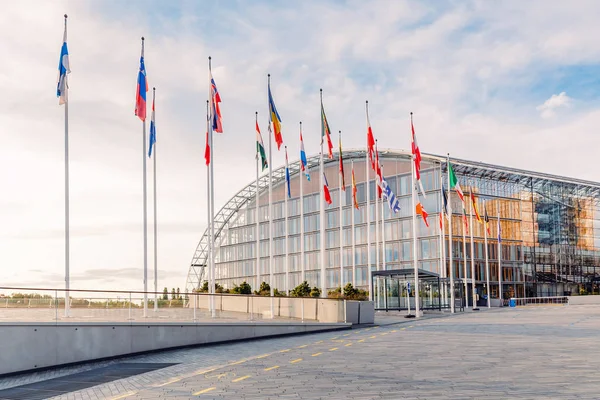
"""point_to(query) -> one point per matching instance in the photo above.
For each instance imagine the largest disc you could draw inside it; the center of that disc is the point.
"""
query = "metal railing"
(531, 301)
(19, 304)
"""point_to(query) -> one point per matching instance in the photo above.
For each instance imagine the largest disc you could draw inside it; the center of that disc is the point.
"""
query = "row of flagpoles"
(372, 164)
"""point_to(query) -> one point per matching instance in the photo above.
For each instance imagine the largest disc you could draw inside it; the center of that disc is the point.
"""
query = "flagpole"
(414, 234)
(464, 240)
(67, 219)
(258, 166)
(303, 277)
(322, 209)
(285, 207)
(155, 215)
(487, 261)
(367, 184)
(212, 202)
(145, 201)
(500, 295)
(376, 217)
(341, 224)
(382, 228)
(270, 206)
(443, 271)
(473, 289)
(450, 242)
(209, 250)
(353, 236)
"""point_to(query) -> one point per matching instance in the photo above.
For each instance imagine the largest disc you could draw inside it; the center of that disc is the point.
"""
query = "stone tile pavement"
(548, 352)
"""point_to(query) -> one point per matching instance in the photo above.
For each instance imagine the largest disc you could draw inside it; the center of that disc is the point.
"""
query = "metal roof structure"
(533, 180)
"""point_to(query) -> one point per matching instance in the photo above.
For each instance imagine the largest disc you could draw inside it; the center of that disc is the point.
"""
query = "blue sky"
(511, 82)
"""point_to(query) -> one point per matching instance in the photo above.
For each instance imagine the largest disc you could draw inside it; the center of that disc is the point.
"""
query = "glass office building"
(550, 229)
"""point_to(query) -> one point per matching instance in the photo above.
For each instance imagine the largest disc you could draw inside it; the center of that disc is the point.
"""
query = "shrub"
(302, 290)
(352, 293)
(315, 292)
(277, 293)
(245, 288)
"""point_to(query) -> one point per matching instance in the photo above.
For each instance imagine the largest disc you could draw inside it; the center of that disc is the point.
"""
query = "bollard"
(345, 311)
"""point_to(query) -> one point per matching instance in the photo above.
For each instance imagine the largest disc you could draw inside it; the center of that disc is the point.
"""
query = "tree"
(204, 288)
(173, 294)
(165, 295)
(265, 289)
(245, 288)
(315, 292)
(302, 290)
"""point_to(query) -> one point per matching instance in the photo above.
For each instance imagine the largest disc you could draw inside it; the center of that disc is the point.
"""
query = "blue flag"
(63, 69)
(152, 129)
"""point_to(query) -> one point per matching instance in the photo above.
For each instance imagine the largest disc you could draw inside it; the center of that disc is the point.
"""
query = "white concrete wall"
(584, 300)
(29, 346)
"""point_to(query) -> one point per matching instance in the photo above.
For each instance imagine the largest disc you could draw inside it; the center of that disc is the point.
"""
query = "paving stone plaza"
(545, 352)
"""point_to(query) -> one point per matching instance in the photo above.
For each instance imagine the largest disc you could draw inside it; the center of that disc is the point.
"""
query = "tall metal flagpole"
(322, 210)
(208, 208)
(500, 295)
(383, 262)
(376, 218)
(443, 271)
(452, 305)
(212, 200)
(414, 234)
(473, 289)
(155, 213)
(367, 184)
(67, 223)
(487, 261)
(285, 207)
(258, 166)
(270, 206)
(464, 238)
(145, 210)
(303, 275)
(353, 234)
(341, 222)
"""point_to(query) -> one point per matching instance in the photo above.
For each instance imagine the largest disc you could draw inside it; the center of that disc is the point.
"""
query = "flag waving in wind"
(454, 183)
(474, 203)
(342, 164)
(370, 139)
(326, 193)
(63, 69)
(287, 175)
(260, 147)
(325, 131)
(416, 155)
(486, 218)
(275, 118)
(388, 194)
(421, 211)
(378, 174)
(303, 160)
(142, 89)
(207, 147)
(354, 189)
(215, 99)
(152, 139)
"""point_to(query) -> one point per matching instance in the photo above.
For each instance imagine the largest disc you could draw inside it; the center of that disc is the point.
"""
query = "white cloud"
(555, 101)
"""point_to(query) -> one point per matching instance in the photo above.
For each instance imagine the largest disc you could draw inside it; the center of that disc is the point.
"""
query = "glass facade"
(550, 230)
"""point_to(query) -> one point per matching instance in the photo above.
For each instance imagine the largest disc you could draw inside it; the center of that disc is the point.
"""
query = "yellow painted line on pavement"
(303, 346)
(123, 396)
(169, 382)
(204, 391)
(402, 329)
(372, 337)
(361, 340)
(368, 329)
(271, 368)
(347, 345)
(316, 354)
(376, 327)
(297, 360)
(263, 356)
(206, 371)
(284, 351)
(384, 333)
(241, 378)
(346, 334)
(394, 331)
(319, 342)
(410, 326)
(237, 362)
(333, 349)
